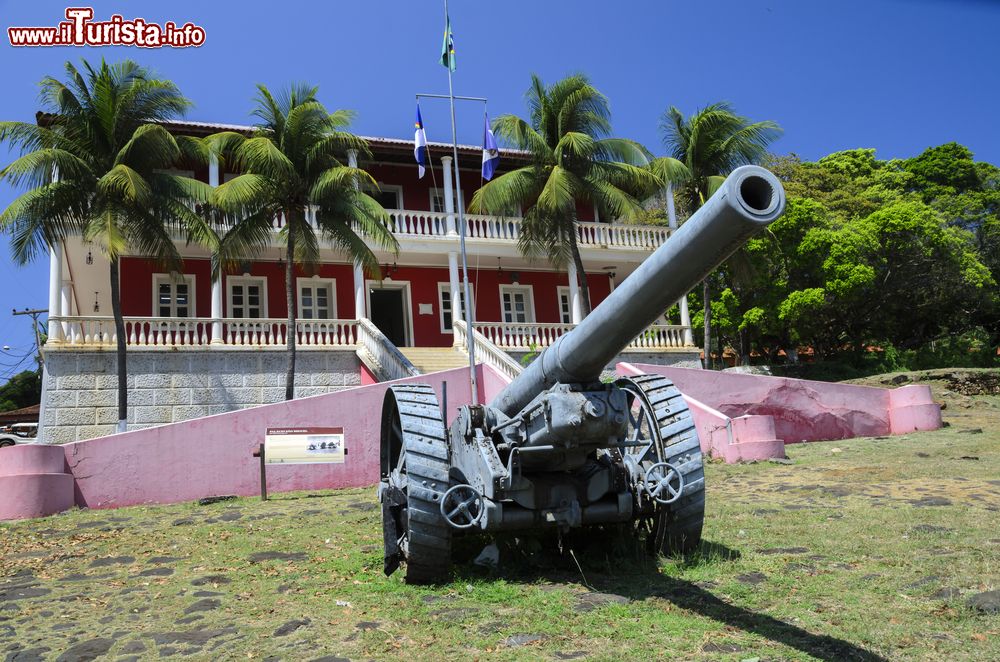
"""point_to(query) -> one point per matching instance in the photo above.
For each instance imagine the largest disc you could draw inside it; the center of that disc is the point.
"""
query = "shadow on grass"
(279, 496)
(640, 578)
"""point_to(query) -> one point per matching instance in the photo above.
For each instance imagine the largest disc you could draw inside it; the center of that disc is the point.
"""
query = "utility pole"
(34, 313)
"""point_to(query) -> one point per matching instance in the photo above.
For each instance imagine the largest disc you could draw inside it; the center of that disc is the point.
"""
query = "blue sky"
(896, 75)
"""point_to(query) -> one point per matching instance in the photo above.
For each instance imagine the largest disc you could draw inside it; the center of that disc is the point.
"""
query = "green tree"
(98, 166)
(573, 162)
(292, 169)
(710, 144)
(22, 390)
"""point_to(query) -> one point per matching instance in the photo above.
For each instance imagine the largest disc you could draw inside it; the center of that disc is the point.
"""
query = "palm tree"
(710, 144)
(98, 166)
(573, 161)
(291, 170)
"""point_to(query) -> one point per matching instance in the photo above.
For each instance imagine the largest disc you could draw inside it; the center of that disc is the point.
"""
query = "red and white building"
(519, 304)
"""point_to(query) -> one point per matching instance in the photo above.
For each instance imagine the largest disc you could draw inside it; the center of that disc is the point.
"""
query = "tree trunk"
(116, 310)
(290, 298)
(581, 273)
(722, 354)
(707, 304)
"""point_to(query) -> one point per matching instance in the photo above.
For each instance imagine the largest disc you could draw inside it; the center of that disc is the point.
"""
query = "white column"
(575, 300)
(213, 180)
(55, 291)
(352, 158)
(217, 310)
(213, 170)
(449, 197)
(682, 303)
(66, 304)
(359, 291)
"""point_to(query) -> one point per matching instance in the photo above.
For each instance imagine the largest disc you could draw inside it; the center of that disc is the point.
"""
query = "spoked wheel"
(661, 445)
(414, 480)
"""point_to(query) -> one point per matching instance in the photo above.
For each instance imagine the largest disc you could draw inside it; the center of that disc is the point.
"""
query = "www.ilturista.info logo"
(81, 30)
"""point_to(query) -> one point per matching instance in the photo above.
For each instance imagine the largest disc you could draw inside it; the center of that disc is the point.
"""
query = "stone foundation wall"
(81, 387)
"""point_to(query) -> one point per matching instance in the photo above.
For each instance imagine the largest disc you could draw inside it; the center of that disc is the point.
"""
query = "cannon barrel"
(748, 200)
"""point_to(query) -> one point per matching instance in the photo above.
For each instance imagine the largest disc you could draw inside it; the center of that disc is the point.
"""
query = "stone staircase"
(434, 359)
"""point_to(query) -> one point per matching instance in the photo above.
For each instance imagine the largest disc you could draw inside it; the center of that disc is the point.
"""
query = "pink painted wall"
(805, 410)
(33, 481)
(212, 455)
(741, 439)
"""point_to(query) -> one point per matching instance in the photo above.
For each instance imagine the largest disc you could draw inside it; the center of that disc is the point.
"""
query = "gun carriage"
(557, 447)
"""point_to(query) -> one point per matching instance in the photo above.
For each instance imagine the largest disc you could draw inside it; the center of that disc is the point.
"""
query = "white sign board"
(304, 446)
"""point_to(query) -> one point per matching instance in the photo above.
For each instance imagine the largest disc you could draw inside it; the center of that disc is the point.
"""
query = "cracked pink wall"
(805, 410)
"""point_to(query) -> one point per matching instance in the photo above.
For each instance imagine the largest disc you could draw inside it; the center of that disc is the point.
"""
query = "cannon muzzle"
(749, 199)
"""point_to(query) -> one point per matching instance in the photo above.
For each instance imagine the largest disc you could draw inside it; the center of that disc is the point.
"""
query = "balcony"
(529, 337)
(407, 223)
(412, 224)
(172, 333)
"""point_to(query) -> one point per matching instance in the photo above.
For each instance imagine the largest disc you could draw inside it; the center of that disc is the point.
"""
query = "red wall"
(137, 291)
(136, 278)
(416, 191)
(485, 286)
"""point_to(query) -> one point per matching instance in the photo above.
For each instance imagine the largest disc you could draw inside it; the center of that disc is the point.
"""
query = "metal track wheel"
(661, 431)
(415, 464)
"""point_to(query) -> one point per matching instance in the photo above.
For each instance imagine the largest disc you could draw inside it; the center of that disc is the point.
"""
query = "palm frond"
(126, 184)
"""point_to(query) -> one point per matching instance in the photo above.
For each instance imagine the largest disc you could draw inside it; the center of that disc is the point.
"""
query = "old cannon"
(557, 447)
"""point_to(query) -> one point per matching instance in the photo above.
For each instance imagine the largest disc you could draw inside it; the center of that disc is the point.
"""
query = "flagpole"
(469, 314)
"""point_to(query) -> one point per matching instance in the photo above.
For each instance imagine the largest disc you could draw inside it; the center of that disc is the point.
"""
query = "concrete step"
(434, 359)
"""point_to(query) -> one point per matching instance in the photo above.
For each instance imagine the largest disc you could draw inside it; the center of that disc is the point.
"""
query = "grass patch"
(860, 549)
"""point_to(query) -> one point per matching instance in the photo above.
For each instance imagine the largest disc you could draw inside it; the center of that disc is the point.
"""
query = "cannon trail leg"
(662, 446)
(415, 477)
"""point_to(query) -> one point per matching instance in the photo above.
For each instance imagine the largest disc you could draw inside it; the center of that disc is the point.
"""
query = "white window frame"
(434, 193)
(561, 291)
(445, 289)
(173, 279)
(529, 302)
(246, 279)
(315, 282)
(394, 284)
(391, 188)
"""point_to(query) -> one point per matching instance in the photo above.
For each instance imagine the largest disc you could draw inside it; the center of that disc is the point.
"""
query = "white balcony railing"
(171, 332)
(486, 351)
(526, 337)
(435, 224)
(380, 355)
(174, 332)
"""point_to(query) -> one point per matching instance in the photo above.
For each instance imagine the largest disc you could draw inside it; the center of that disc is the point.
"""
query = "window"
(444, 301)
(437, 200)
(317, 298)
(389, 196)
(247, 297)
(565, 305)
(173, 295)
(516, 304)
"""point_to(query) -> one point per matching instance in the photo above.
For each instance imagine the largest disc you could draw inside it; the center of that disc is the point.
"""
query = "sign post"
(299, 446)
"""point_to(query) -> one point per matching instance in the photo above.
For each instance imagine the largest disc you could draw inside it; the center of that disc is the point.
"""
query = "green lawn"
(858, 549)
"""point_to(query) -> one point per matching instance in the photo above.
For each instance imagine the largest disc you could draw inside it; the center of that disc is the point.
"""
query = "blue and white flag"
(420, 144)
(491, 154)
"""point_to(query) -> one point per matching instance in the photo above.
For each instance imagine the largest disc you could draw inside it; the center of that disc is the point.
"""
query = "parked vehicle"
(19, 433)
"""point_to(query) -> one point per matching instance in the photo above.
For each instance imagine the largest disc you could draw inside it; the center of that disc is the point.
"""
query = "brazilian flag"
(448, 46)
